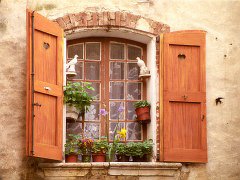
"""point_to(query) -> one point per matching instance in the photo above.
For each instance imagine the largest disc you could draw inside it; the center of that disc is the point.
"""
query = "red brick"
(66, 19)
(78, 16)
(90, 23)
(128, 19)
(84, 19)
(89, 16)
(105, 18)
(95, 19)
(111, 15)
(112, 22)
(100, 19)
(118, 19)
(72, 18)
(61, 23)
(123, 23)
(123, 16)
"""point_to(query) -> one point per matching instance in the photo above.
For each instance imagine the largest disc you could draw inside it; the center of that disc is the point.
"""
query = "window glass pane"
(134, 131)
(134, 91)
(117, 110)
(92, 113)
(134, 52)
(92, 70)
(74, 128)
(96, 92)
(116, 90)
(93, 51)
(116, 70)
(117, 51)
(112, 128)
(131, 115)
(76, 49)
(133, 71)
(91, 130)
(79, 71)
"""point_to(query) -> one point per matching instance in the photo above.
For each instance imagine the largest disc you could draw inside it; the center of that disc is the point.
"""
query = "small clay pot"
(122, 158)
(99, 157)
(71, 158)
(140, 159)
(143, 114)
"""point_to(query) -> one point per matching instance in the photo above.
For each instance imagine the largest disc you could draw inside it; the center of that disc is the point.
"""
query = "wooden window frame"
(104, 74)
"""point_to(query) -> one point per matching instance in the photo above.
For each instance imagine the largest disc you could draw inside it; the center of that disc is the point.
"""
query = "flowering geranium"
(86, 145)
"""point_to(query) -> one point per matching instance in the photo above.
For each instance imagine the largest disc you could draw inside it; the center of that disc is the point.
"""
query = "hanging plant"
(76, 94)
(143, 111)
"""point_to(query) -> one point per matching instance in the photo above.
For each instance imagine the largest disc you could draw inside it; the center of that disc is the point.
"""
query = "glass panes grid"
(124, 86)
(89, 58)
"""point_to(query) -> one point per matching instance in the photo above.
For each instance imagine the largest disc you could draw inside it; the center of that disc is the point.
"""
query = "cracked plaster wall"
(220, 18)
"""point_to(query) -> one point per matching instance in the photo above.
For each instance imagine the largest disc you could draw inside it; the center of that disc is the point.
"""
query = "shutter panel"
(44, 88)
(184, 97)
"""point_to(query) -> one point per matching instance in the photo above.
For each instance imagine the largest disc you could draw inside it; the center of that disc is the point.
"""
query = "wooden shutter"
(184, 97)
(44, 87)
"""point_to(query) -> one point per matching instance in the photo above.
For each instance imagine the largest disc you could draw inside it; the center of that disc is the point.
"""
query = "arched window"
(110, 65)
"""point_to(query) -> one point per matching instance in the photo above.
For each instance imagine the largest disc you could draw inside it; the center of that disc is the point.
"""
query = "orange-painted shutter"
(44, 87)
(184, 97)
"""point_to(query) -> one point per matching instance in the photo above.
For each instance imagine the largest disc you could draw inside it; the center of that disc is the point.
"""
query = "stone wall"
(219, 18)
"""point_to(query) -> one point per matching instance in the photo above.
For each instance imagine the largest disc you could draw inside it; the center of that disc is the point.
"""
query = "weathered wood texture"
(48, 88)
(184, 97)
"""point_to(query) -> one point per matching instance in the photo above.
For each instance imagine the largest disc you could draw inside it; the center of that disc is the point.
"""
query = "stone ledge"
(140, 169)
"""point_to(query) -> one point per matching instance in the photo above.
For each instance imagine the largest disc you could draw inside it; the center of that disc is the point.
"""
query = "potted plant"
(76, 95)
(142, 109)
(121, 152)
(147, 148)
(85, 145)
(134, 149)
(140, 151)
(71, 148)
(99, 149)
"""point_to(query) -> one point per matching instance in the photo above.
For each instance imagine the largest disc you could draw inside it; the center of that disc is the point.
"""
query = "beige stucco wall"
(219, 18)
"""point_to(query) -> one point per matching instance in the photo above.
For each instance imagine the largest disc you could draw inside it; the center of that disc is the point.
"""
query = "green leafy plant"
(147, 147)
(100, 146)
(71, 146)
(139, 149)
(134, 149)
(141, 104)
(76, 94)
(121, 149)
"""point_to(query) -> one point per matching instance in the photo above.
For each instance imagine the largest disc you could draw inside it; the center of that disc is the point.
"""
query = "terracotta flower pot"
(140, 159)
(143, 114)
(122, 158)
(71, 158)
(99, 157)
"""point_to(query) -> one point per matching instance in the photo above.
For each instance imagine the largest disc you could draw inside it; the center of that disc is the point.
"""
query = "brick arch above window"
(107, 20)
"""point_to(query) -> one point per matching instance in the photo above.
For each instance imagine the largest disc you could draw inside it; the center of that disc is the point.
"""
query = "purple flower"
(120, 109)
(103, 112)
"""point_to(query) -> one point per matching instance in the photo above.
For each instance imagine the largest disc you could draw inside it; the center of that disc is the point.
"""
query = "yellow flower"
(122, 133)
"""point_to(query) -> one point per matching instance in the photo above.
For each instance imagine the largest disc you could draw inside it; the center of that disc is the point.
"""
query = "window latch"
(185, 97)
(37, 104)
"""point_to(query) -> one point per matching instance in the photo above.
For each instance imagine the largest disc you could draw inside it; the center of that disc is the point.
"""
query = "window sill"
(140, 169)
